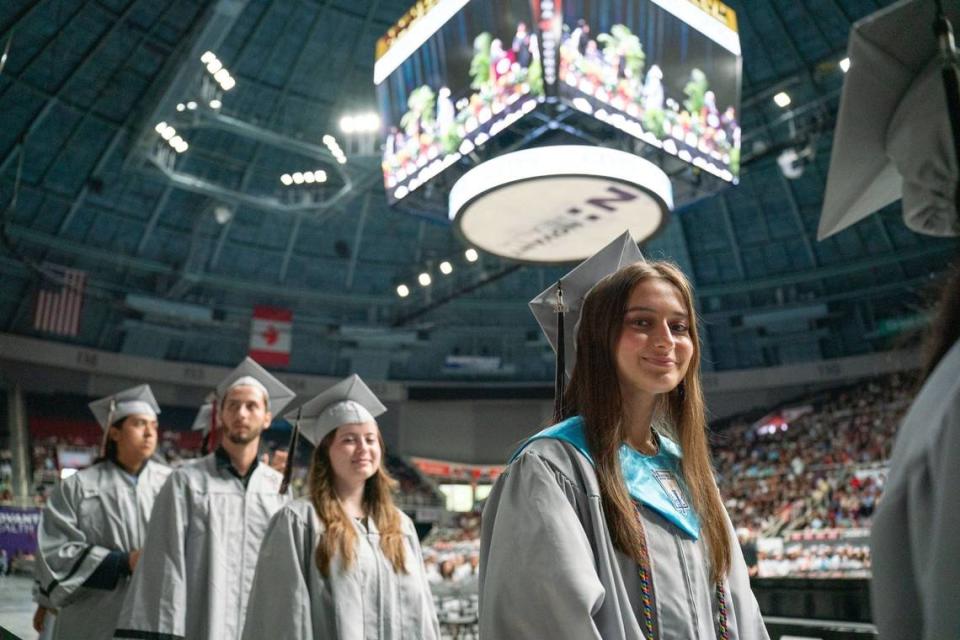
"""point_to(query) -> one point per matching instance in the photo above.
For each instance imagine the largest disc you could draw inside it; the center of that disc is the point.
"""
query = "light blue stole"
(654, 481)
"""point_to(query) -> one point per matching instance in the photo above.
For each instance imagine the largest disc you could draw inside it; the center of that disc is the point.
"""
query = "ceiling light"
(403, 290)
(286, 179)
(844, 65)
(215, 104)
(191, 105)
(782, 99)
(471, 255)
(181, 106)
(347, 124)
(446, 268)
(424, 279)
(298, 178)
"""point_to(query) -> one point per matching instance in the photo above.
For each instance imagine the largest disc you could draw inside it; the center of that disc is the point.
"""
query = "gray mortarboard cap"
(575, 285)
(349, 401)
(893, 136)
(136, 400)
(204, 415)
(250, 373)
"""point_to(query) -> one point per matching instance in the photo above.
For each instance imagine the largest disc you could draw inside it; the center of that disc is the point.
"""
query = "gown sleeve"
(279, 605)
(67, 556)
(746, 611)
(156, 602)
(537, 574)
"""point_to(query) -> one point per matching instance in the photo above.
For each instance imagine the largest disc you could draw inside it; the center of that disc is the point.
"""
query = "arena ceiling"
(175, 263)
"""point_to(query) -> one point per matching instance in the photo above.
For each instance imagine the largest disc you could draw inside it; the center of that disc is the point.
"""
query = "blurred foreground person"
(609, 524)
(209, 519)
(94, 524)
(897, 137)
(344, 563)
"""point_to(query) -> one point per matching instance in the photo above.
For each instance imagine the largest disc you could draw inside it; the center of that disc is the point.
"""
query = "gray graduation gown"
(915, 539)
(291, 599)
(548, 567)
(197, 566)
(93, 512)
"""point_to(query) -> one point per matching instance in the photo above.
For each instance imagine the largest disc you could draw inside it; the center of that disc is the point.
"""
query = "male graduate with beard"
(197, 565)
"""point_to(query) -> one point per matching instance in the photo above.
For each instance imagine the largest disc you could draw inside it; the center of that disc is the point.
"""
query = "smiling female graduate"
(95, 523)
(344, 562)
(609, 525)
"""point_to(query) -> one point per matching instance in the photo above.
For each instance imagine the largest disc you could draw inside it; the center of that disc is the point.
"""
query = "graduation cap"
(249, 373)
(557, 308)
(205, 422)
(136, 400)
(350, 401)
(893, 134)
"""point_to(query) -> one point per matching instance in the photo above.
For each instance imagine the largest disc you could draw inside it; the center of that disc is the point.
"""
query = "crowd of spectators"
(821, 468)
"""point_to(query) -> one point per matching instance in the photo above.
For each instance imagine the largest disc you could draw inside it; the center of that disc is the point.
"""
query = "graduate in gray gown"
(609, 524)
(209, 518)
(344, 563)
(94, 525)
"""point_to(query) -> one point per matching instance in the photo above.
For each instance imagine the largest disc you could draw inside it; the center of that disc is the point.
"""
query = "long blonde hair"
(594, 394)
(339, 535)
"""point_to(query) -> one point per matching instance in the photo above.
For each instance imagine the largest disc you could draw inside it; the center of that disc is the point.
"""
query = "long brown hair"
(339, 535)
(594, 394)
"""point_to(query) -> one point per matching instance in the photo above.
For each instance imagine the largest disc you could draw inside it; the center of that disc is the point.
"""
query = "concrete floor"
(17, 607)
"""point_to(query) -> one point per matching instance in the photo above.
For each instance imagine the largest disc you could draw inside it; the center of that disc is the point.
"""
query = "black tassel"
(288, 468)
(560, 377)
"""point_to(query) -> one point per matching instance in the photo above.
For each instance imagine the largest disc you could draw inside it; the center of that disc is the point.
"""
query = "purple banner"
(18, 530)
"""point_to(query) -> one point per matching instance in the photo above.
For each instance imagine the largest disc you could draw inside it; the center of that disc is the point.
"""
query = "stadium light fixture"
(424, 279)
(286, 179)
(471, 255)
(403, 290)
(844, 65)
(446, 268)
(782, 99)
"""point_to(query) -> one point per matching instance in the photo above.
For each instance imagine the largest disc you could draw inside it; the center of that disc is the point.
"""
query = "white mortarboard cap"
(350, 401)
(136, 400)
(621, 252)
(204, 415)
(893, 136)
(249, 373)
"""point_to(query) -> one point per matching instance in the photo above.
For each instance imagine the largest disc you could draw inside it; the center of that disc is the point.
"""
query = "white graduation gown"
(292, 600)
(197, 566)
(548, 567)
(915, 539)
(93, 512)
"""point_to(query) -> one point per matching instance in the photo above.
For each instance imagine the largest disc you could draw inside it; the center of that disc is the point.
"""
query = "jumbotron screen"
(664, 71)
(450, 75)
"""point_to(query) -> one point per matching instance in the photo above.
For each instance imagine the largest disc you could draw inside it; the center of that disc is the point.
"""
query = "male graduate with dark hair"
(92, 528)
(198, 562)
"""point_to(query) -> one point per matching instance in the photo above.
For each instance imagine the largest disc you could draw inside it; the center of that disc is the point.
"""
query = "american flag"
(59, 301)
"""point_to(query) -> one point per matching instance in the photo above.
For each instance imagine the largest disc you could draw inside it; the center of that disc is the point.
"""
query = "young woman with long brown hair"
(613, 514)
(343, 562)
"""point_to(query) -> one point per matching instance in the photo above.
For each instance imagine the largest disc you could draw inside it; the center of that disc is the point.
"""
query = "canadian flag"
(270, 336)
